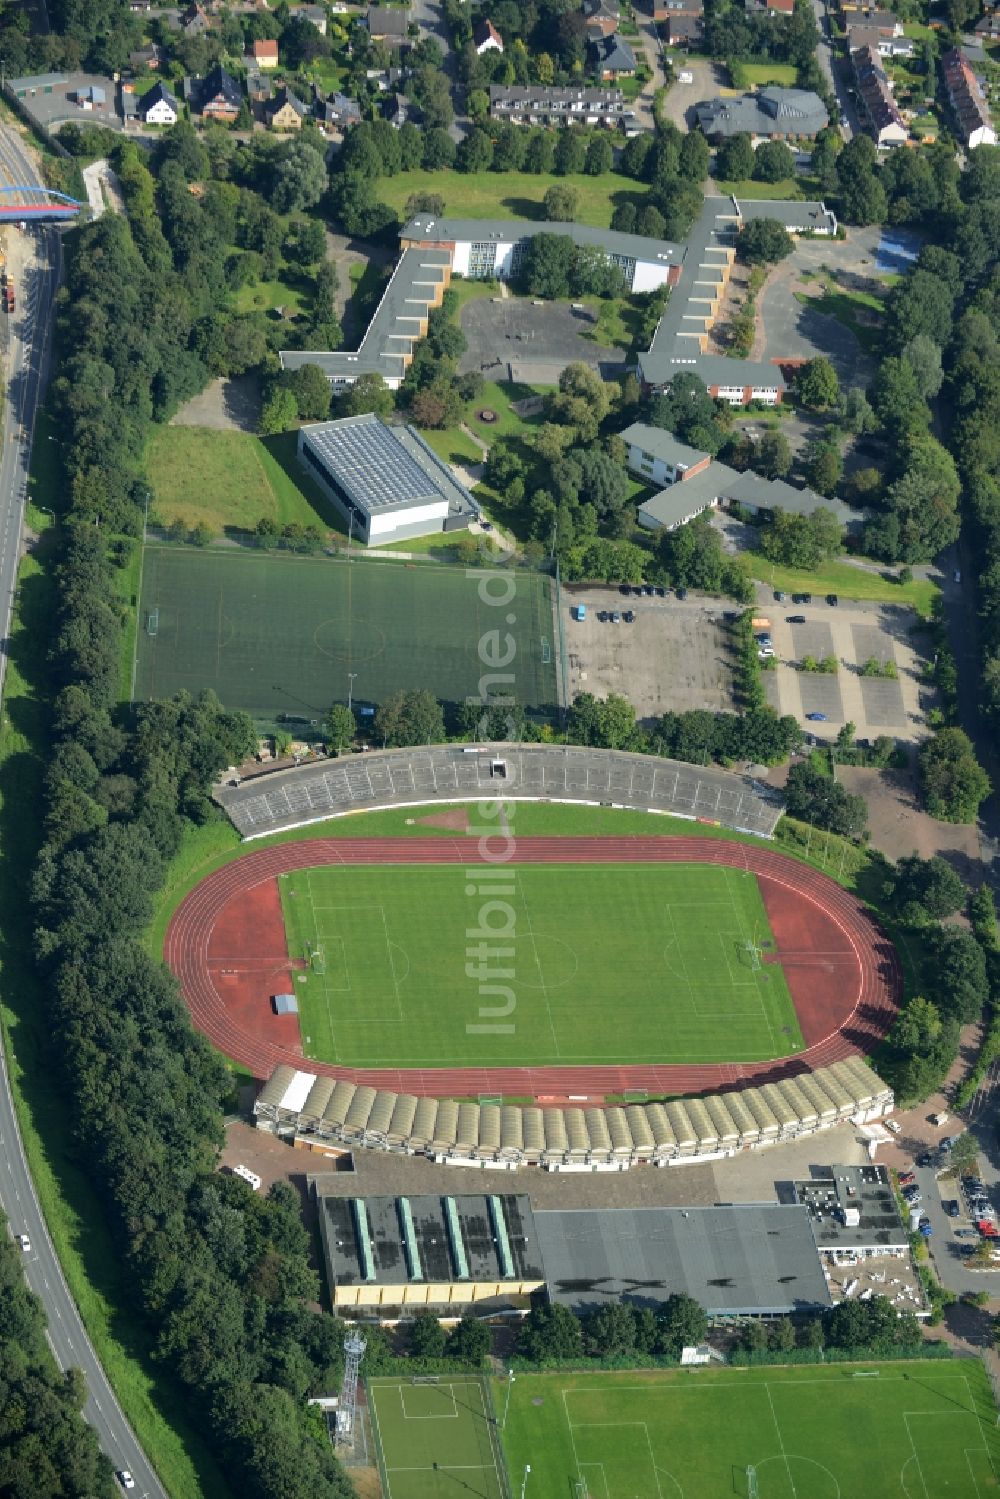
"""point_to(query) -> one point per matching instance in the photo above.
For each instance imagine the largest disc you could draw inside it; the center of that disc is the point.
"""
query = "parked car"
(816, 717)
(602, 615)
(779, 596)
(661, 593)
(629, 617)
(626, 589)
(795, 619)
(832, 600)
(616, 618)
(24, 1242)
(966, 1233)
(894, 1126)
(681, 593)
(952, 1208)
(926, 1159)
(905, 1178)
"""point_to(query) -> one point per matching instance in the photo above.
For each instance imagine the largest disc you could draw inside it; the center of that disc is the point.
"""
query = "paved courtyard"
(675, 656)
(854, 633)
(516, 337)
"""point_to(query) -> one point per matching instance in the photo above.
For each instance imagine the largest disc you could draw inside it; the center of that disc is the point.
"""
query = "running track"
(846, 1010)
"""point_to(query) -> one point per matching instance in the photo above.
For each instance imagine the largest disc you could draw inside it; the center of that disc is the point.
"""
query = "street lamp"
(350, 688)
(506, 1404)
(524, 1480)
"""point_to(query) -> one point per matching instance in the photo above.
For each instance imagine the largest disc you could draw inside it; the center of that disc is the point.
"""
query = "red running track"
(226, 944)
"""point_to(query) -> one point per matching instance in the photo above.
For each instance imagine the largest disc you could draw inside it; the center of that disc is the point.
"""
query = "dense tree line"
(221, 1275)
(46, 1447)
(697, 736)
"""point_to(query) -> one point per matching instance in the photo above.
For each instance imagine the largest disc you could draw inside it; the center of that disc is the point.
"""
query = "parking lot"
(517, 338)
(676, 654)
(853, 633)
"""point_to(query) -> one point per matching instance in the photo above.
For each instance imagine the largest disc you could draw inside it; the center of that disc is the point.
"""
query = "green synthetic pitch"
(277, 634)
(611, 963)
(924, 1430)
(435, 1441)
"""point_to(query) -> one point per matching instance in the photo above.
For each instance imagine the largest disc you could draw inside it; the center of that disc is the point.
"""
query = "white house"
(486, 38)
(159, 107)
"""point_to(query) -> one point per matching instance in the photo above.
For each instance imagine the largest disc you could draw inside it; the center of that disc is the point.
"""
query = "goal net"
(317, 959)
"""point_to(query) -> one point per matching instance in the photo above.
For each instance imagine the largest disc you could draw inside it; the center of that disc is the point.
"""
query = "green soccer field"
(922, 1430)
(435, 1441)
(277, 634)
(610, 962)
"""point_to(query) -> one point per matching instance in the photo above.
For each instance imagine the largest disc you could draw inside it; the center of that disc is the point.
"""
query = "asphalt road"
(835, 71)
(27, 365)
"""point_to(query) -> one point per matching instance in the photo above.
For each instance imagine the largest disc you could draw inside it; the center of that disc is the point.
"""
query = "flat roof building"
(754, 1259)
(386, 482)
(394, 1252)
(851, 1208)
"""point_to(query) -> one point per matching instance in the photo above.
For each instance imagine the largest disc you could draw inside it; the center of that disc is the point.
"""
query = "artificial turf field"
(435, 1439)
(611, 963)
(924, 1430)
(277, 634)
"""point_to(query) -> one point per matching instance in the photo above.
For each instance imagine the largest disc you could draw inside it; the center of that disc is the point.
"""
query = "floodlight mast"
(354, 1351)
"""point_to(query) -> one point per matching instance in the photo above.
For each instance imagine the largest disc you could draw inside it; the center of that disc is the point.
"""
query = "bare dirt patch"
(225, 405)
(457, 820)
(899, 825)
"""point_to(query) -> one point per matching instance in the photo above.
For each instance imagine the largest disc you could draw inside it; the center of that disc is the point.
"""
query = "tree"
(571, 153)
(734, 160)
(600, 156)
(925, 500)
(475, 152)
(917, 1027)
(773, 162)
(814, 797)
(924, 358)
(438, 149)
(548, 265)
(817, 385)
(279, 412)
(608, 724)
(299, 179)
(773, 458)
(925, 889)
(311, 390)
(920, 304)
(369, 393)
(410, 718)
(952, 781)
(469, 1341)
(561, 202)
(425, 1337)
(694, 157)
(424, 202)
(682, 1324)
(856, 412)
(609, 1331)
(897, 400)
(763, 242)
(956, 974)
(550, 1332)
(823, 467)
(341, 726)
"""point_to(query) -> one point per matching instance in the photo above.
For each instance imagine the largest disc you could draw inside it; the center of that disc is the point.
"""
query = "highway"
(27, 371)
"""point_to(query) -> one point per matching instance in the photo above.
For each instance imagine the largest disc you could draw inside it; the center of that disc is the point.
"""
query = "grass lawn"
(436, 1439)
(73, 1212)
(788, 188)
(855, 309)
(850, 582)
(758, 74)
(289, 292)
(391, 987)
(510, 195)
(456, 446)
(230, 480)
(924, 1428)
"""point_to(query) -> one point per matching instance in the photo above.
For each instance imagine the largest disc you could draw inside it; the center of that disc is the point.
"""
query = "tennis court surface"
(608, 963)
(923, 1430)
(436, 1439)
(276, 634)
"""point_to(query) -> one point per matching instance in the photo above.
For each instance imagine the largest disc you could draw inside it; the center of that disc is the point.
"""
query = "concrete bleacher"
(448, 773)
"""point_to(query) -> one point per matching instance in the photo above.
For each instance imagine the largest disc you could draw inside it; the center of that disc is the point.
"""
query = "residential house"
(968, 100)
(158, 106)
(603, 18)
(314, 14)
(147, 59)
(684, 23)
(195, 20)
(987, 28)
(774, 7)
(285, 111)
(396, 109)
(264, 54)
(862, 34)
(879, 110)
(337, 112)
(387, 25)
(612, 58)
(486, 38)
(770, 114)
(550, 104)
(258, 88)
(659, 456)
(215, 97)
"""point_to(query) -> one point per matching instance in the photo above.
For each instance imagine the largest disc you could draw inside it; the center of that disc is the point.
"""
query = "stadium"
(649, 967)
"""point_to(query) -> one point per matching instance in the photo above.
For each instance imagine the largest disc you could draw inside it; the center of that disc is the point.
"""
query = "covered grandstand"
(297, 1104)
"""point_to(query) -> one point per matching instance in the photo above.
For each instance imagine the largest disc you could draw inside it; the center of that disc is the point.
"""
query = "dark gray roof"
(832, 1190)
(753, 1258)
(285, 96)
(797, 218)
(395, 1226)
(662, 444)
(159, 92)
(383, 468)
(382, 20)
(394, 329)
(772, 111)
(427, 226)
(613, 54)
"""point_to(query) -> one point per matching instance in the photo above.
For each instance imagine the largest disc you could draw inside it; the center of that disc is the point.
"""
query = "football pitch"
(285, 635)
(607, 963)
(436, 1440)
(924, 1430)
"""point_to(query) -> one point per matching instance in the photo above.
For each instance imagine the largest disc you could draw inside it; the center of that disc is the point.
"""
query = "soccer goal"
(317, 959)
(152, 621)
(753, 1492)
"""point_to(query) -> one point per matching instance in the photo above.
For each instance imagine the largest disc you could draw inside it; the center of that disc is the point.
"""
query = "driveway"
(708, 82)
(653, 47)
